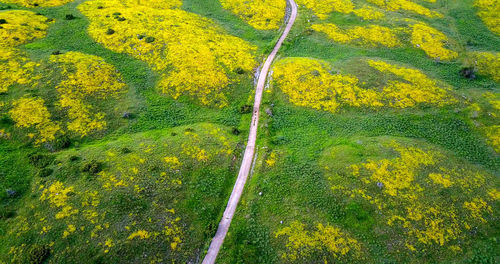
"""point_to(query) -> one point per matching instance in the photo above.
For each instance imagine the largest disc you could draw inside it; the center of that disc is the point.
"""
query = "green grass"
(197, 201)
(205, 189)
(297, 188)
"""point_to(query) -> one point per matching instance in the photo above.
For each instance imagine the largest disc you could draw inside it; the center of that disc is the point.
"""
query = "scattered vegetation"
(122, 125)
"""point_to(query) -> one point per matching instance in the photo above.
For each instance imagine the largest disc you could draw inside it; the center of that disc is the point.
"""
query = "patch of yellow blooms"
(368, 13)
(323, 8)
(36, 3)
(431, 41)
(193, 55)
(142, 234)
(372, 35)
(488, 63)
(271, 159)
(85, 77)
(493, 135)
(489, 13)
(406, 5)
(32, 113)
(308, 82)
(19, 28)
(412, 88)
(406, 189)
(260, 14)
(302, 243)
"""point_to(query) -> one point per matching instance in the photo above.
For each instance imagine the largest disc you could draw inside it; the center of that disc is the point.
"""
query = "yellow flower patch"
(32, 113)
(368, 13)
(56, 194)
(302, 243)
(84, 77)
(308, 82)
(493, 136)
(193, 56)
(271, 159)
(36, 3)
(489, 13)
(407, 190)
(372, 35)
(488, 63)
(322, 8)
(422, 36)
(406, 5)
(15, 68)
(156, 4)
(431, 41)
(260, 14)
(439, 178)
(414, 87)
(172, 162)
(142, 234)
(20, 27)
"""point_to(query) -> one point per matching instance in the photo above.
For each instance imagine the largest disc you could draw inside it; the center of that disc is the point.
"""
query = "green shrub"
(38, 254)
(45, 172)
(40, 160)
(92, 167)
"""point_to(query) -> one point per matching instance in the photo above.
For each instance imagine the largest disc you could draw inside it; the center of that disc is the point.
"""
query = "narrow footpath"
(246, 164)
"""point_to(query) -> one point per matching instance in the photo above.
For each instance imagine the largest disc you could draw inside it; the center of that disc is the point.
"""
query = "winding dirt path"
(246, 164)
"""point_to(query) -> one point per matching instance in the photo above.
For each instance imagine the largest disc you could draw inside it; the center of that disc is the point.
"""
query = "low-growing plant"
(38, 254)
(92, 167)
(45, 172)
(40, 160)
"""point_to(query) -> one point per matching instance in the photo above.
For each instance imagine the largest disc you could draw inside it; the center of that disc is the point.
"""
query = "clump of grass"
(92, 167)
(38, 253)
(40, 160)
(45, 172)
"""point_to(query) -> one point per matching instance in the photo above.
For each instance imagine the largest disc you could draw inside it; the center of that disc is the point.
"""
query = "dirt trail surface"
(246, 164)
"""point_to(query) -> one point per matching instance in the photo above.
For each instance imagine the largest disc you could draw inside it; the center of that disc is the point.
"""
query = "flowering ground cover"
(79, 129)
(122, 125)
(377, 146)
(193, 55)
(110, 201)
(261, 14)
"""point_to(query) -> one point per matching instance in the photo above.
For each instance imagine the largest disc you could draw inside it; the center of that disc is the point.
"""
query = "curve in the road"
(246, 164)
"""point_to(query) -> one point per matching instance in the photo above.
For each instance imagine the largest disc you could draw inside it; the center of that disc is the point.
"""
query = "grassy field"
(173, 216)
(291, 183)
(130, 172)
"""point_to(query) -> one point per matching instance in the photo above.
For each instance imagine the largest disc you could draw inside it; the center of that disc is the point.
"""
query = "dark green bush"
(126, 150)
(245, 109)
(45, 172)
(38, 254)
(40, 160)
(92, 167)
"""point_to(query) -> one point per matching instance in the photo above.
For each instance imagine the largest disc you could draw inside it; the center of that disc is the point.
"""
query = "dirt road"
(246, 164)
